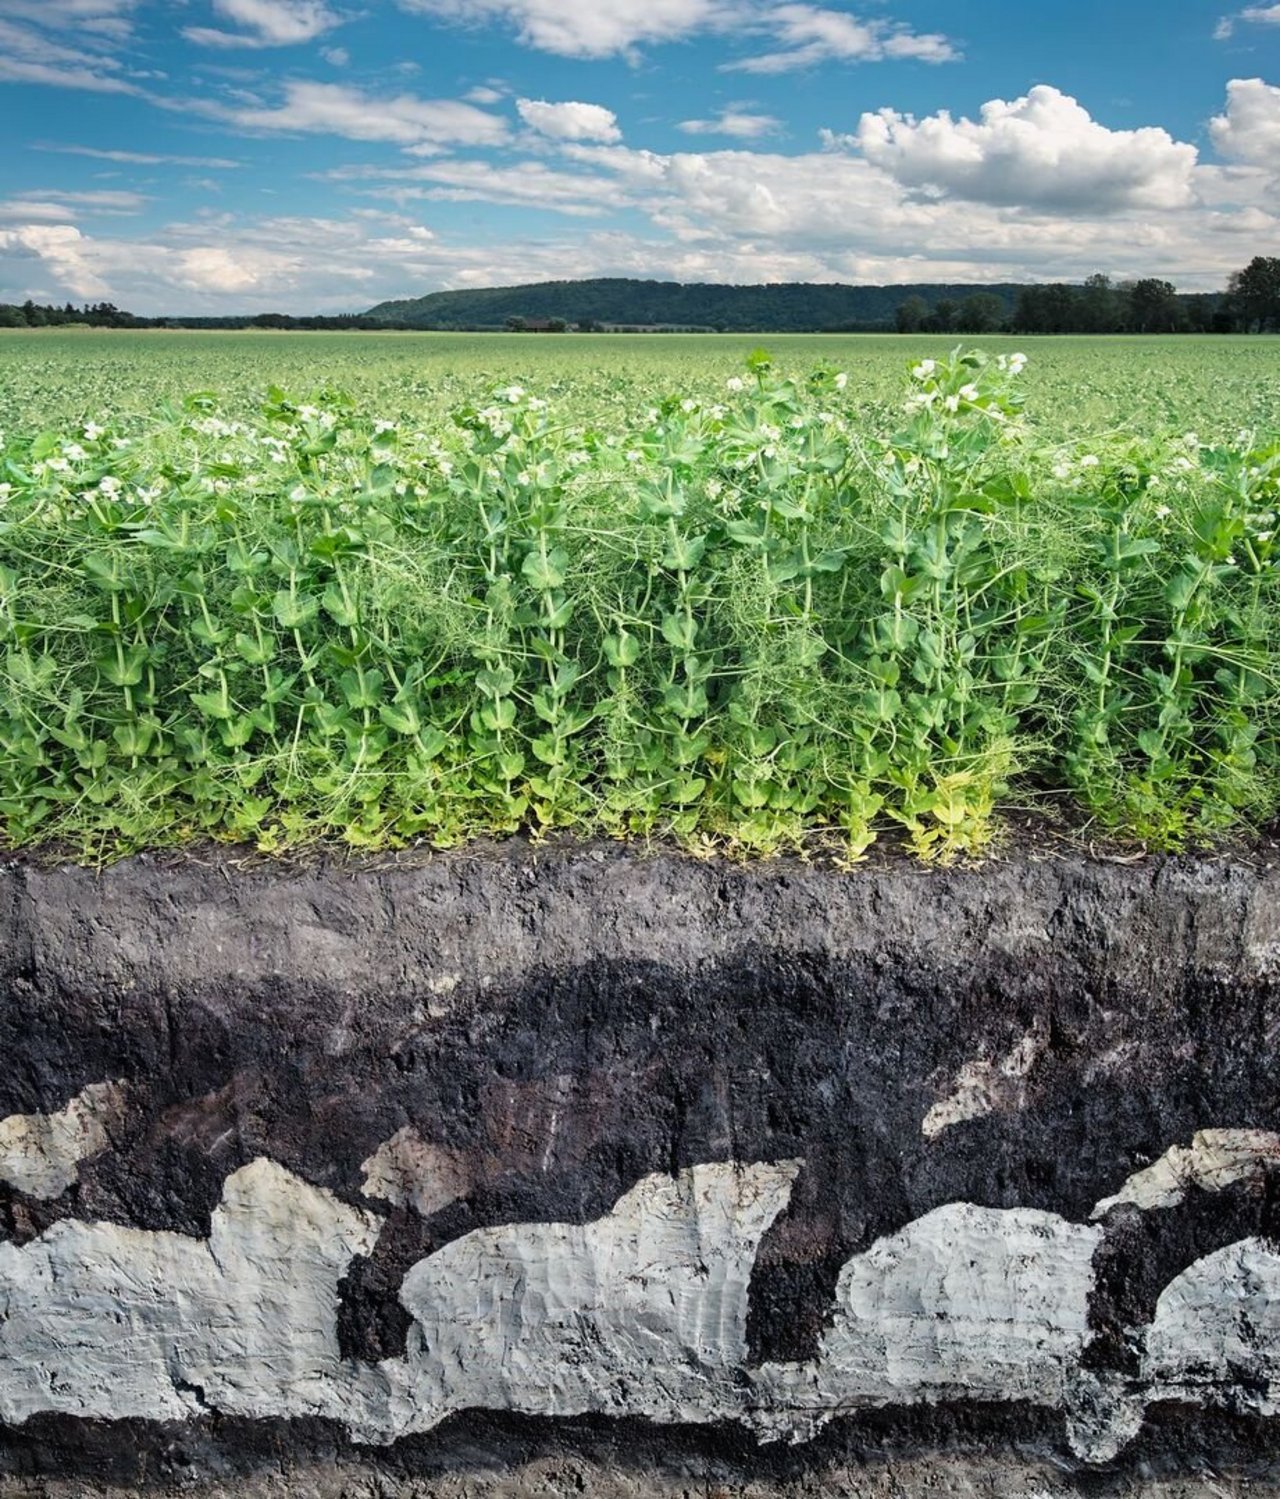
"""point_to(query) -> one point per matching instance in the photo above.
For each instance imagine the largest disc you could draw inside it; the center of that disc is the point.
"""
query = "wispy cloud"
(140, 158)
(734, 120)
(808, 35)
(266, 23)
(1252, 15)
(335, 109)
(525, 184)
(802, 35)
(39, 52)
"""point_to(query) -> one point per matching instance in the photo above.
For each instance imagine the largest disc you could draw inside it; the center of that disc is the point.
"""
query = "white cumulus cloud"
(570, 121)
(1042, 151)
(1249, 130)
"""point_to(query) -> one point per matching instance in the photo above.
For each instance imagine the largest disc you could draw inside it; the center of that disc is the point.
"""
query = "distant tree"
(516, 324)
(1255, 294)
(1200, 311)
(912, 314)
(943, 317)
(982, 312)
(1155, 307)
(1102, 308)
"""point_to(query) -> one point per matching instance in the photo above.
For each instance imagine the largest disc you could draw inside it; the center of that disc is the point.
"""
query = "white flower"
(841, 380)
(1017, 363)
(687, 405)
(512, 393)
(632, 455)
(952, 403)
(308, 413)
(74, 451)
(57, 465)
(1191, 440)
(1090, 460)
(924, 369)
(92, 431)
(1163, 512)
(1061, 470)
(379, 427)
(968, 392)
(735, 383)
(109, 484)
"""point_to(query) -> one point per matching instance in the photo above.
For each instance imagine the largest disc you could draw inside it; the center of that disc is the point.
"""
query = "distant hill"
(789, 307)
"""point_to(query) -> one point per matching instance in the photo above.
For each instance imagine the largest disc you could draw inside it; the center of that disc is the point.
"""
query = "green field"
(287, 587)
(1216, 385)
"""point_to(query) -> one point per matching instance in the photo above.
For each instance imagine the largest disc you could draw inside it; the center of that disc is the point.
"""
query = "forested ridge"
(1250, 303)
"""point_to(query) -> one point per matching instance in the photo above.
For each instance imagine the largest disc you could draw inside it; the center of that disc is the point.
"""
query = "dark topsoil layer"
(568, 1020)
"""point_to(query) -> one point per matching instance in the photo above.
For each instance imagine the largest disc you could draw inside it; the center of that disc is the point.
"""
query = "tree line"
(1250, 304)
(31, 314)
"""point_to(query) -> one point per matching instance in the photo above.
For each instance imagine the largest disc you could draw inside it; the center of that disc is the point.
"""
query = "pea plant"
(777, 613)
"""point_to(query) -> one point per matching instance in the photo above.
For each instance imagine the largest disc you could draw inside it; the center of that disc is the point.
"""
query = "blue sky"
(315, 155)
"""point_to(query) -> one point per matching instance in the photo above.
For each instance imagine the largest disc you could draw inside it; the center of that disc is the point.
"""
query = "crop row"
(750, 620)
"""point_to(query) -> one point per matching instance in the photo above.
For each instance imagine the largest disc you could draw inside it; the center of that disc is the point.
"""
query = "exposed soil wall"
(519, 1172)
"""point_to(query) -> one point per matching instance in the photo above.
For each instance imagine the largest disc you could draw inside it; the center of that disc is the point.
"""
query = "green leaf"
(125, 669)
(496, 681)
(679, 631)
(362, 689)
(257, 652)
(292, 611)
(213, 705)
(621, 650)
(341, 610)
(546, 573)
(402, 716)
(684, 553)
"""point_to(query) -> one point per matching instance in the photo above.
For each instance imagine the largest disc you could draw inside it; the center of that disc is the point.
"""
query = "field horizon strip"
(281, 588)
